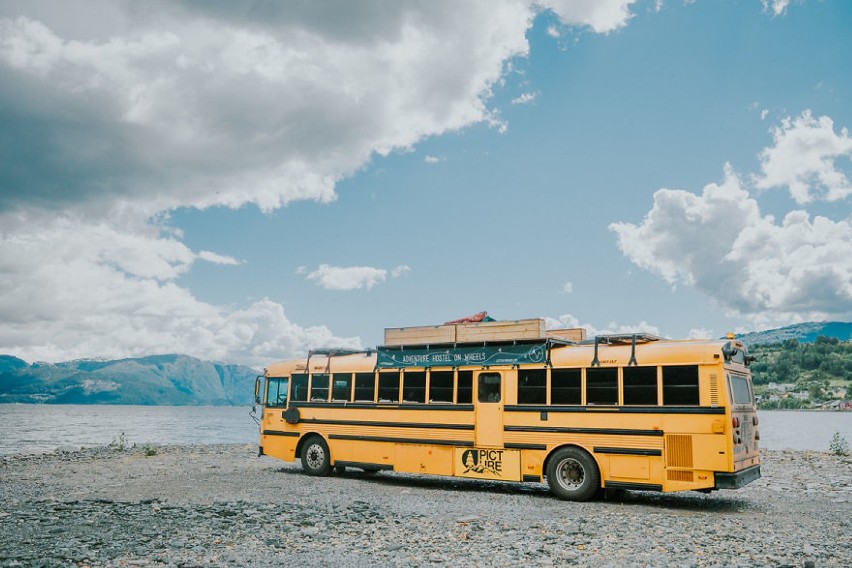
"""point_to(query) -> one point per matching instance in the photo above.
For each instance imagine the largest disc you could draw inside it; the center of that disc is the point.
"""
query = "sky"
(245, 181)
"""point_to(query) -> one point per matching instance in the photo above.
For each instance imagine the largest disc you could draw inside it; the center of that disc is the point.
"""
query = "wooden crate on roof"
(421, 335)
(570, 334)
(500, 331)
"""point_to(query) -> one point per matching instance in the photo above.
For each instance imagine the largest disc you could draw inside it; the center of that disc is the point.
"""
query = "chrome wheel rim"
(315, 456)
(570, 474)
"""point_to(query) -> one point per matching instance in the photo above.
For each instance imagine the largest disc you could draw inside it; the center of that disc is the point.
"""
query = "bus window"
(414, 386)
(489, 387)
(740, 391)
(602, 386)
(565, 386)
(365, 387)
(465, 388)
(389, 386)
(300, 388)
(441, 386)
(680, 385)
(532, 386)
(276, 392)
(319, 387)
(341, 388)
(640, 385)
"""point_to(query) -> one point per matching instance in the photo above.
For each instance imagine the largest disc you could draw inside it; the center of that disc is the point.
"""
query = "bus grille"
(714, 390)
(678, 451)
(678, 475)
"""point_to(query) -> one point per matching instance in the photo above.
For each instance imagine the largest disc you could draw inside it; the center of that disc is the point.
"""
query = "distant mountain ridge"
(802, 332)
(175, 380)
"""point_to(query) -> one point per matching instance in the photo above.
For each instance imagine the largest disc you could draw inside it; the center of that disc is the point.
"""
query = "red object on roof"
(475, 318)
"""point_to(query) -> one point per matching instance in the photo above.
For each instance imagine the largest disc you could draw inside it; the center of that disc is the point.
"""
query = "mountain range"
(802, 332)
(180, 380)
(175, 380)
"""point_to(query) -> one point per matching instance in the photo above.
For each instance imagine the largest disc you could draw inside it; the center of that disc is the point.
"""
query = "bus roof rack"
(621, 339)
(333, 352)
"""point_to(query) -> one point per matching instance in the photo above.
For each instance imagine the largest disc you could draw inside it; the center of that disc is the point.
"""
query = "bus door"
(488, 403)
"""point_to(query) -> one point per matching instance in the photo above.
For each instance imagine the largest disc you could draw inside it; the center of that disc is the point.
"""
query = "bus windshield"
(276, 391)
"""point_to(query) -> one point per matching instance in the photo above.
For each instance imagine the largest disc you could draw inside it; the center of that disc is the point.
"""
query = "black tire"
(316, 459)
(573, 475)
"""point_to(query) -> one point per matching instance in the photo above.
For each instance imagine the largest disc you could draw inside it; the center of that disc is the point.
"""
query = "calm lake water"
(26, 428)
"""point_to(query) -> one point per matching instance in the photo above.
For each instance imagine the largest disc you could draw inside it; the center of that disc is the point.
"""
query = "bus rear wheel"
(573, 475)
(316, 459)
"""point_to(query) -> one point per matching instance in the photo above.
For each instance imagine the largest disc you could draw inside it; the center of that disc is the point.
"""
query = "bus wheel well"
(557, 448)
(572, 473)
(305, 438)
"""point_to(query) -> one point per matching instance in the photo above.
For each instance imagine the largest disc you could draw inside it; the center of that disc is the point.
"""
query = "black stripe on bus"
(387, 424)
(387, 405)
(617, 409)
(419, 441)
(364, 465)
(628, 451)
(609, 431)
(636, 486)
(280, 433)
(532, 479)
(526, 446)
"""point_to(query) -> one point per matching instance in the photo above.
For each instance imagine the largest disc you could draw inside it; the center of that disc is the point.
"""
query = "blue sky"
(243, 182)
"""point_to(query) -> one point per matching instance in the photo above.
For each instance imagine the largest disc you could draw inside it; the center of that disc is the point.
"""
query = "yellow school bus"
(626, 411)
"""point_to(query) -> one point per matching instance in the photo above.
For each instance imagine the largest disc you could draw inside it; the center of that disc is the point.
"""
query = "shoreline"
(222, 504)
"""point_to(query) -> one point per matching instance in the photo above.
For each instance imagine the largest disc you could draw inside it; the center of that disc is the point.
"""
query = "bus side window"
(465, 388)
(640, 385)
(365, 387)
(532, 386)
(602, 385)
(341, 388)
(441, 386)
(389, 386)
(680, 385)
(319, 387)
(300, 388)
(565, 386)
(414, 386)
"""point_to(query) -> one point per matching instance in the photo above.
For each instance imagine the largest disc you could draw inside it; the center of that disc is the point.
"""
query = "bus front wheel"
(573, 475)
(316, 459)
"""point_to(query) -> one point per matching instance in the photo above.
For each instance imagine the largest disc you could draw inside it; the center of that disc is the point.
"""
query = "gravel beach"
(221, 504)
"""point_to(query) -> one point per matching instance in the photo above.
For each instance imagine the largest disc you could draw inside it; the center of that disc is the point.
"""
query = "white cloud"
(567, 288)
(777, 7)
(602, 16)
(701, 333)
(433, 159)
(353, 277)
(804, 158)
(218, 258)
(400, 270)
(720, 243)
(524, 98)
(129, 114)
(763, 114)
(569, 321)
(73, 289)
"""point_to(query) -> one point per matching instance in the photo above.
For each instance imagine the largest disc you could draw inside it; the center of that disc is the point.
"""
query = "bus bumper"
(737, 479)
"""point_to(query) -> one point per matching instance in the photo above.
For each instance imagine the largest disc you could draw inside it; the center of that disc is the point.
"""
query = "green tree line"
(818, 368)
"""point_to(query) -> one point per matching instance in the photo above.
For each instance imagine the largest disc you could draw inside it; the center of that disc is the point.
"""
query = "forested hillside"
(803, 374)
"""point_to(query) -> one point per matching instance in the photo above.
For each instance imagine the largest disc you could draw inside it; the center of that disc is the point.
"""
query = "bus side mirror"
(257, 389)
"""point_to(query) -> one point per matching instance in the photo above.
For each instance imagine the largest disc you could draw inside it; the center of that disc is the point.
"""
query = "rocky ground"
(217, 505)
